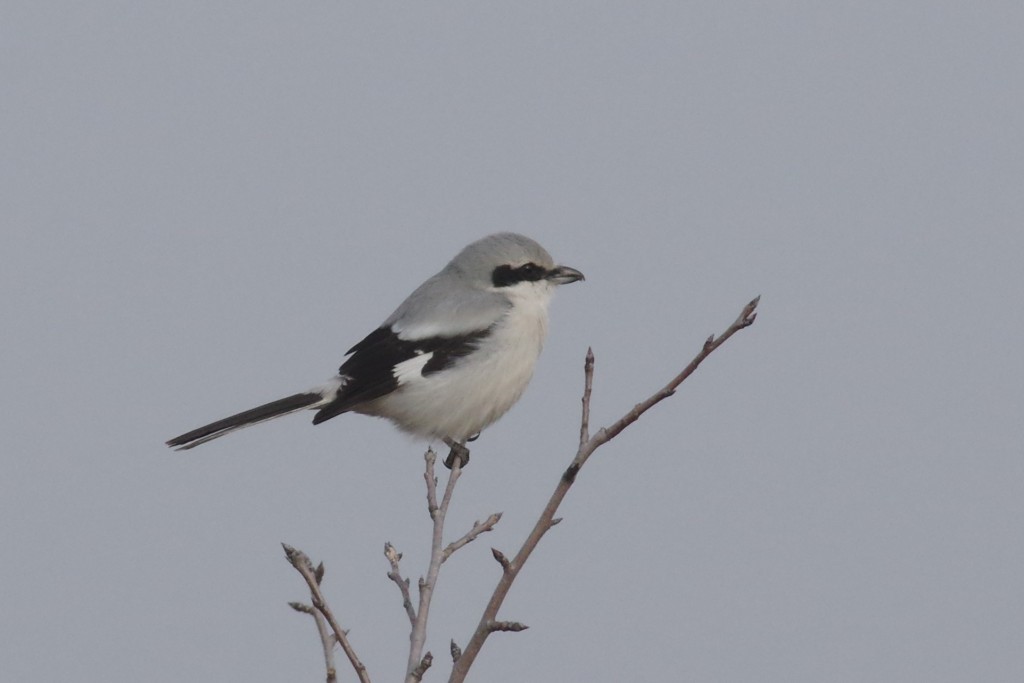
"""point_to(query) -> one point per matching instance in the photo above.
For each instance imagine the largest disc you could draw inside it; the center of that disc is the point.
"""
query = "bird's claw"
(458, 450)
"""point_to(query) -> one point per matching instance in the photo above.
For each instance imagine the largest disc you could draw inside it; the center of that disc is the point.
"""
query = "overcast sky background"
(204, 205)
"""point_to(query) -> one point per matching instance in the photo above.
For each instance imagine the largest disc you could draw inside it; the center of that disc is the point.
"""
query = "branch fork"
(302, 564)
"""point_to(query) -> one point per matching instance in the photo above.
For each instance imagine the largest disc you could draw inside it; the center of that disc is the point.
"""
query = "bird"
(453, 358)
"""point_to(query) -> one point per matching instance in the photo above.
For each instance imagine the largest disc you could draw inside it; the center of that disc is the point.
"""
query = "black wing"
(369, 370)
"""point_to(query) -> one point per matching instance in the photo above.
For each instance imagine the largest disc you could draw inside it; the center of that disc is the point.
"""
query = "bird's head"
(511, 263)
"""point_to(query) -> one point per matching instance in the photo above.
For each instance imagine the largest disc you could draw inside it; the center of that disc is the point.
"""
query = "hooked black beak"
(563, 275)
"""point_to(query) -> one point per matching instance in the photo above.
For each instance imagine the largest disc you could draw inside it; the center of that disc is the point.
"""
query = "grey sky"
(205, 204)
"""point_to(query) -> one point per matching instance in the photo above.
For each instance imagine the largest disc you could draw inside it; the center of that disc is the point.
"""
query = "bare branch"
(418, 636)
(430, 457)
(604, 435)
(327, 641)
(478, 528)
(304, 566)
(403, 584)
(588, 444)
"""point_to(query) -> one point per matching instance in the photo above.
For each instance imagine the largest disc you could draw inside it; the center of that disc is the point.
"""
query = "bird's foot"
(458, 450)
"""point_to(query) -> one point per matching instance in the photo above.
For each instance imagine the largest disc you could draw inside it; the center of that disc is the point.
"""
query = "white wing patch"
(412, 369)
(329, 390)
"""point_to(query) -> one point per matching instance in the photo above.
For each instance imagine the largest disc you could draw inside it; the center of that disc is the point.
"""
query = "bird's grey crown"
(477, 261)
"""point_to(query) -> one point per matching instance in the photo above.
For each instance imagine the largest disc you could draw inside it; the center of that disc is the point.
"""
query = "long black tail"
(252, 416)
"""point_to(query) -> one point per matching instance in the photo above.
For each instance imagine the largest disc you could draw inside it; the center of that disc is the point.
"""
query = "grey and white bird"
(451, 359)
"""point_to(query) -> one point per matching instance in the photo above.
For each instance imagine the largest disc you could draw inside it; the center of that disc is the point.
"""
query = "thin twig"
(430, 457)
(604, 435)
(327, 640)
(304, 566)
(418, 637)
(470, 536)
(403, 584)
(511, 568)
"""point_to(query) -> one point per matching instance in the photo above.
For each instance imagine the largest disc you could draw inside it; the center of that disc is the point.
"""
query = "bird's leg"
(458, 450)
